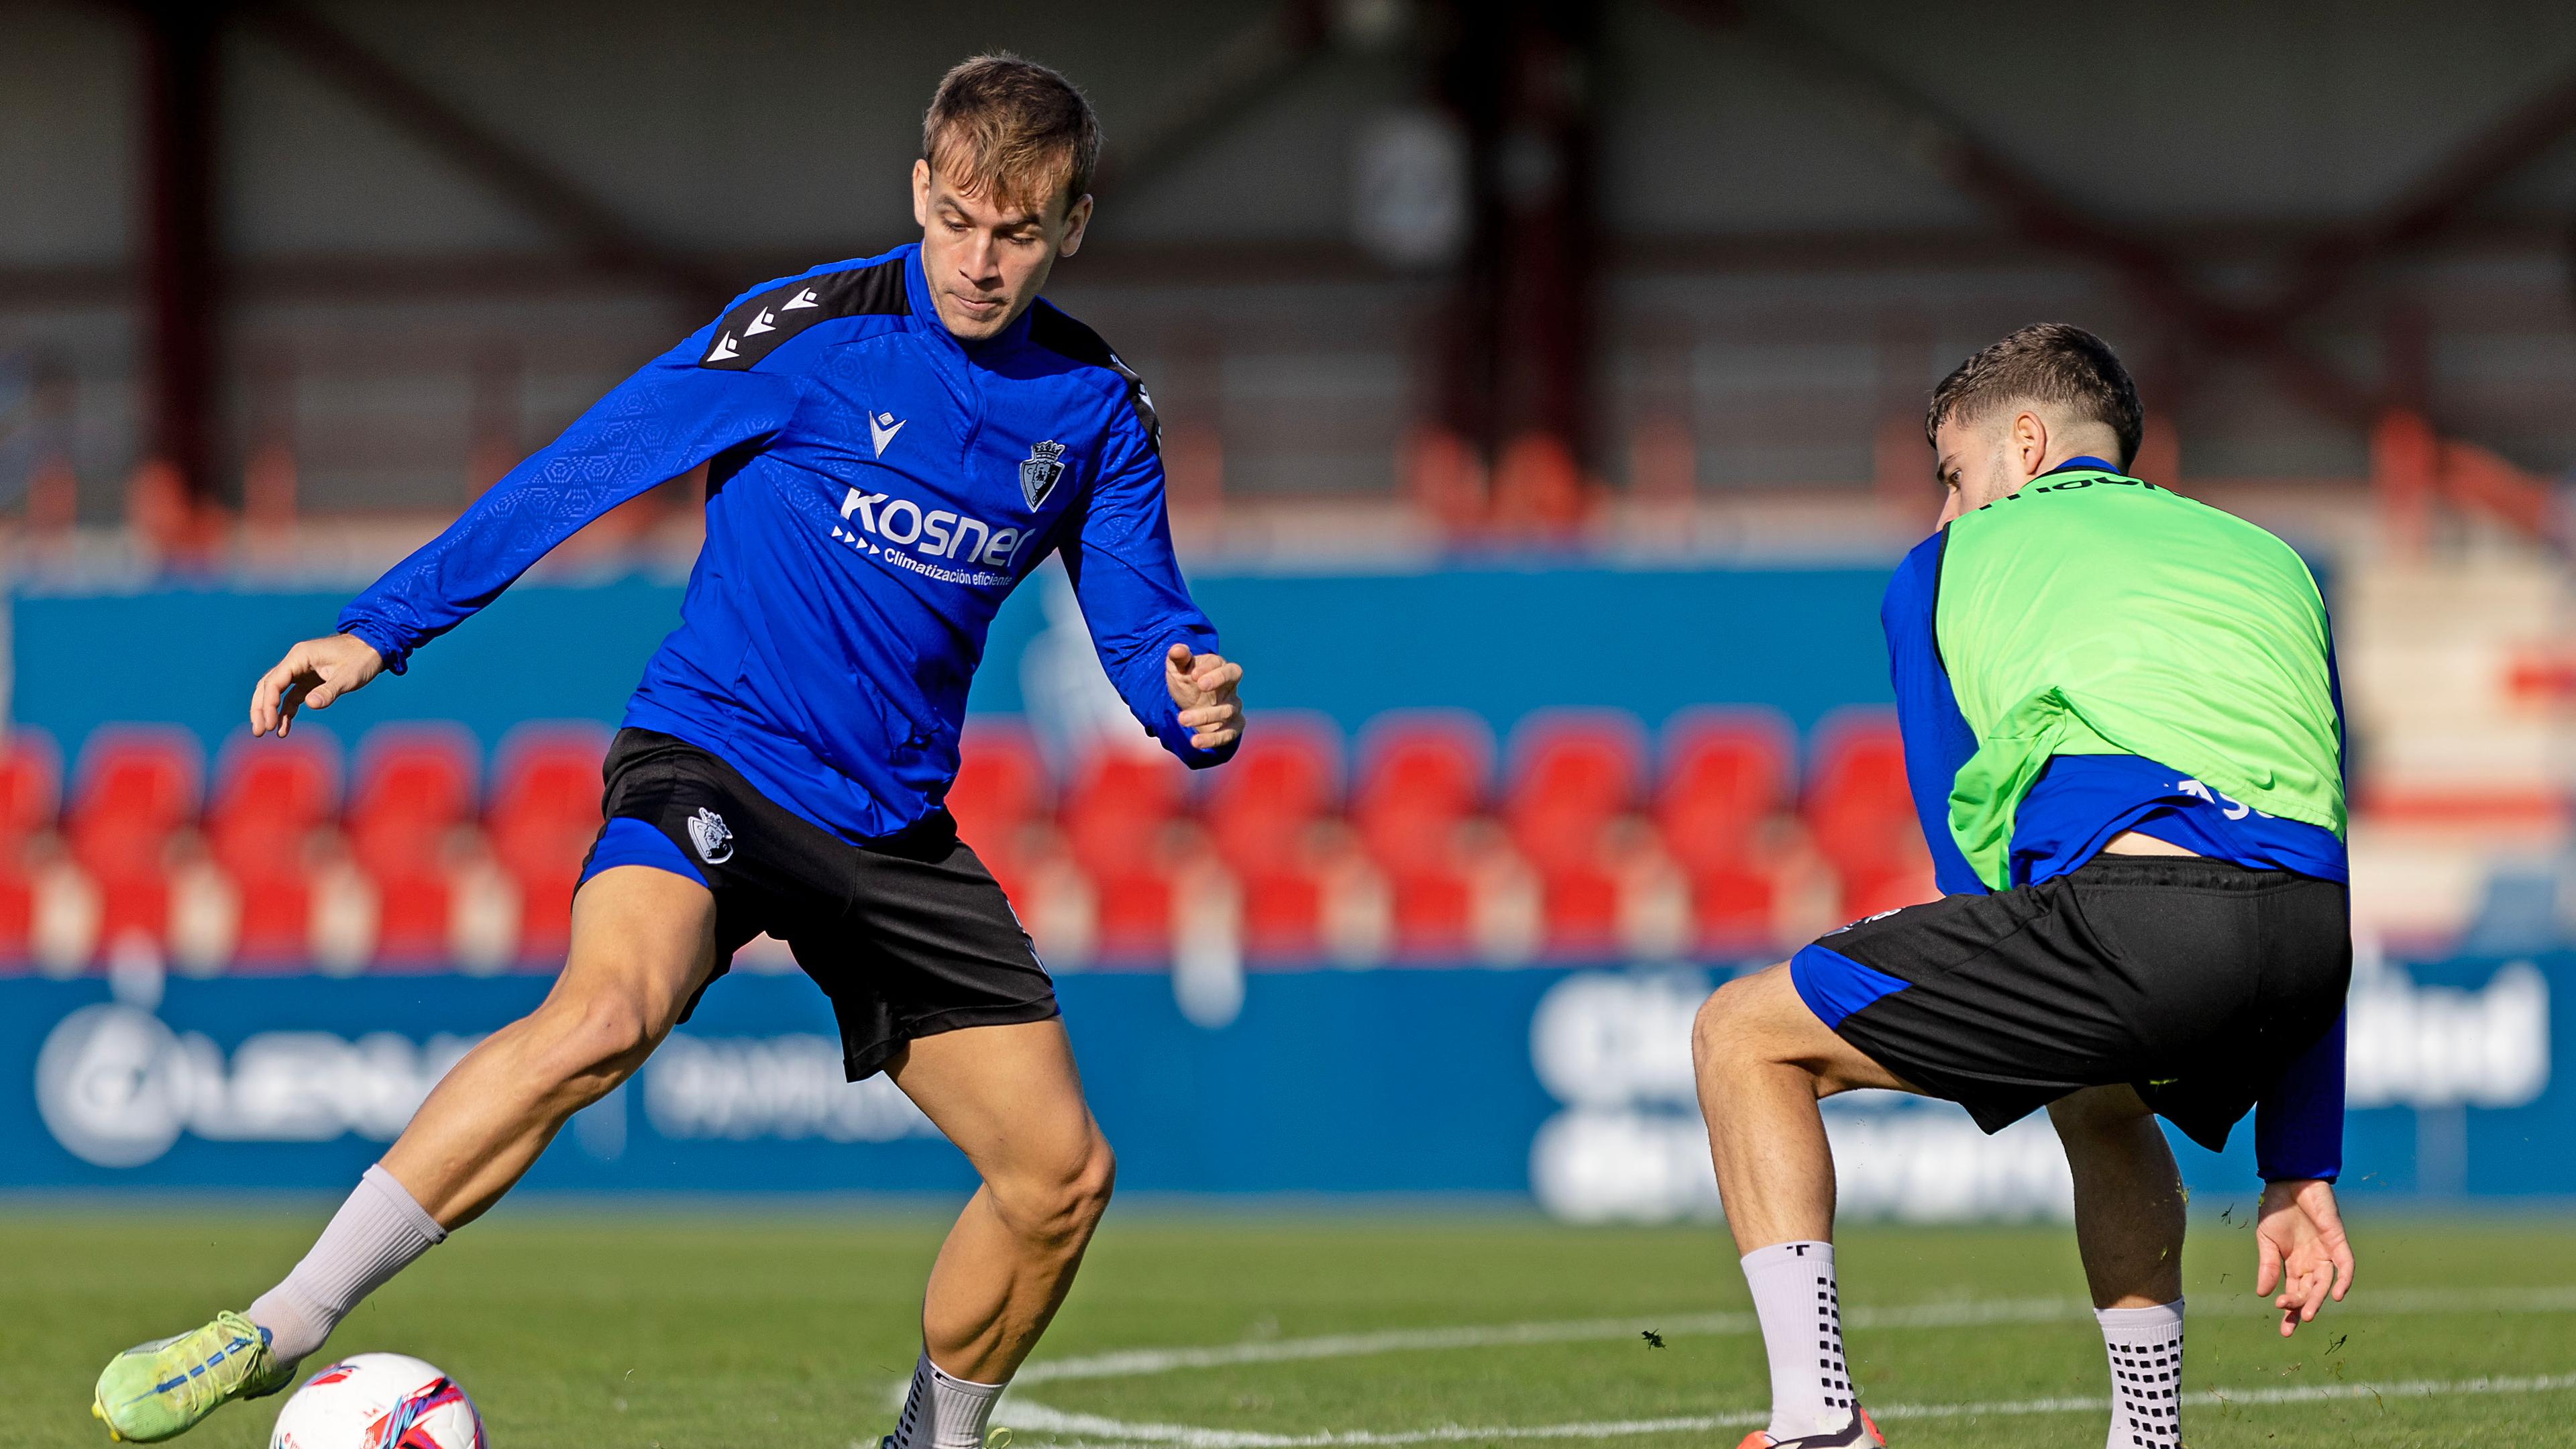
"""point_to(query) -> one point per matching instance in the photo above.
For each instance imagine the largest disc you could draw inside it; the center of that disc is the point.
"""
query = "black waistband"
(2191, 872)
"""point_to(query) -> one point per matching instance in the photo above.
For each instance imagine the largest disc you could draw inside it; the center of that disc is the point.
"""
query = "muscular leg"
(1764, 1061)
(2129, 1227)
(2128, 1197)
(1009, 1098)
(643, 941)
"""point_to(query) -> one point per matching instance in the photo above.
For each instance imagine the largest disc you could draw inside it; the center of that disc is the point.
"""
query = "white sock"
(943, 1412)
(1801, 1313)
(373, 1236)
(2146, 1375)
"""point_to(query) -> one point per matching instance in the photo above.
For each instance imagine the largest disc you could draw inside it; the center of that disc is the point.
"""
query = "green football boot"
(160, 1390)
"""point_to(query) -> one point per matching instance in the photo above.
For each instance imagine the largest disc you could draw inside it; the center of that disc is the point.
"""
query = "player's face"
(1973, 466)
(985, 258)
(1981, 462)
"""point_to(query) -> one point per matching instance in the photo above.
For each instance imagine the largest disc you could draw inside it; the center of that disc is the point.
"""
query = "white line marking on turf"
(1128, 1363)
(1116, 1433)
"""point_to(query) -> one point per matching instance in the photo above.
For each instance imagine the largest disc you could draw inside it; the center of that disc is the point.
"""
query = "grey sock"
(943, 1411)
(373, 1236)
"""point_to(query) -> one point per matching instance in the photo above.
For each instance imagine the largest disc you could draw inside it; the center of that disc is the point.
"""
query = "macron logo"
(723, 349)
(804, 298)
(882, 428)
(767, 321)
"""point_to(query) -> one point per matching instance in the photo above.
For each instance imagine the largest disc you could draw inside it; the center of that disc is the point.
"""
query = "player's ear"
(1077, 220)
(921, 194)
(2029, 442)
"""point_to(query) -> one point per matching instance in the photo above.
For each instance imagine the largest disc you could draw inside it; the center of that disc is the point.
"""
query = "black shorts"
(908, 935)
(2193, 980)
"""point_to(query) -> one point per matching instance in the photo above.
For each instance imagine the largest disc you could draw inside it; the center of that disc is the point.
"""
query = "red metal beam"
(1222, 88)
(545, 192)
(1921, 129)
(2435, 201)
(183, 300)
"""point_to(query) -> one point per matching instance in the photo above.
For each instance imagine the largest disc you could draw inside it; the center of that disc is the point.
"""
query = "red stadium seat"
(271, 796)
(30, 793)
(1002, 795)
(543, 816)
(31, 784)
(1862, 816)
(1264, 811)
(1726, 775)
(1423, 776)
(1726, 772)
(1735, 908)
(1002, 781)
(1422, 773)
(1574, 773)
(1432, 913)
(1285, 778)
(138, 787)
(1118, 813)
(1283, 911)
(1580, 908)
(415, 791)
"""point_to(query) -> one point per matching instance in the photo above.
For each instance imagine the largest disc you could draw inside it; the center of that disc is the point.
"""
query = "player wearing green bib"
(2124, 735)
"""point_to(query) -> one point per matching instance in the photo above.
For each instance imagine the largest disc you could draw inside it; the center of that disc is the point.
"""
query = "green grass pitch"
(629, 1328)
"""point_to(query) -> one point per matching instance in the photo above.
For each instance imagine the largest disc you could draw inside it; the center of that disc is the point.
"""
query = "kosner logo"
(936, 534)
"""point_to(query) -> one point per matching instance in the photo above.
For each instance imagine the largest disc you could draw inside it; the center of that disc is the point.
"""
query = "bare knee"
(586, 1048)
(1726, 1035)
(2100, 1116)
(1054, 1204)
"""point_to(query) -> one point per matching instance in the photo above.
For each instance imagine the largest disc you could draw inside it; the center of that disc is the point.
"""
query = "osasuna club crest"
(709, 833)
(1039, 470)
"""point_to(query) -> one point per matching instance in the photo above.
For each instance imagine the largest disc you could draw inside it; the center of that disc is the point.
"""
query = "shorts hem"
(859, 1063)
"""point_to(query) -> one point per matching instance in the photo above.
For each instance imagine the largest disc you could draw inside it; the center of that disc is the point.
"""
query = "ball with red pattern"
(378, 1401)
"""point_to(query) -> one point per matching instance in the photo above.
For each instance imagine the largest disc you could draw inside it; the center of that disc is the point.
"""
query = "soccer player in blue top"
(892, 445)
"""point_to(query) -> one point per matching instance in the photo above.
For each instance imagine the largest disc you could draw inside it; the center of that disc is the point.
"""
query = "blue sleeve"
(1937, 737)
(2298, 1126)
(1133, 597)
(654, 426)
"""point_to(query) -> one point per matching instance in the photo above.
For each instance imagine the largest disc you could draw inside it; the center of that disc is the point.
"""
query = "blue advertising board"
(1495, 640)
(1570, 1085)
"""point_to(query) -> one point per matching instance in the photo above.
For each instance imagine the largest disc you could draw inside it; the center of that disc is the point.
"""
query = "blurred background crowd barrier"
(1541, 387)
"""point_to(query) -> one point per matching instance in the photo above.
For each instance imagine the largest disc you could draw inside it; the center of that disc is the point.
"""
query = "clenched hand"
(1203, 685)
(314, 673)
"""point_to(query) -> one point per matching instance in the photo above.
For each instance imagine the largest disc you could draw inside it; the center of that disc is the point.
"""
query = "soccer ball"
(378, 1401)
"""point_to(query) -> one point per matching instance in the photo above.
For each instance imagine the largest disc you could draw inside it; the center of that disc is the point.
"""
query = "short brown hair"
(1012, 129)
(2047, 362)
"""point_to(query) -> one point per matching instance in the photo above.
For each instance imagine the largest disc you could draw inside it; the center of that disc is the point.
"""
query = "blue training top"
(875, 489)
(2079, 804)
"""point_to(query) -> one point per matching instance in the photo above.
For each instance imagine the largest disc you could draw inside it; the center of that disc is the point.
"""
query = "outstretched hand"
(2299, 1243)
(1203, 685)
(313, 673)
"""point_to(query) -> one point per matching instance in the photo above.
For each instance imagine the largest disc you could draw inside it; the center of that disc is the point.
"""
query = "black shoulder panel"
(757, 324)
(1060, 334)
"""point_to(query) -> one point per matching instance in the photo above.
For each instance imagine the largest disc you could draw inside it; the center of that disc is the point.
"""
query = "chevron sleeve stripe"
(658, 424)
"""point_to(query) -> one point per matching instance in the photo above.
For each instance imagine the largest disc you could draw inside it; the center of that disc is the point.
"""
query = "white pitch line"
(1139, 1362)
(1119, 1434)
